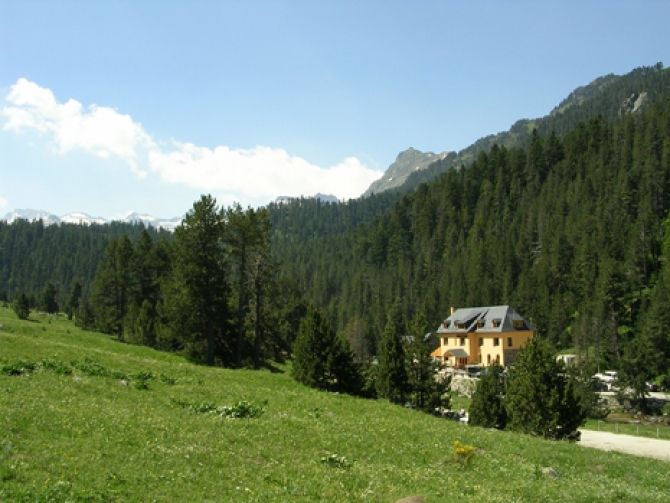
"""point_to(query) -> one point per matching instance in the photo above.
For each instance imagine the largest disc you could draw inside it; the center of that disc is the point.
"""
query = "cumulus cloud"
(259, 173)
(251, 175)
(101, 131)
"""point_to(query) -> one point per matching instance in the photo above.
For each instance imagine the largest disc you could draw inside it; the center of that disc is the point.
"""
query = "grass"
(85, 431)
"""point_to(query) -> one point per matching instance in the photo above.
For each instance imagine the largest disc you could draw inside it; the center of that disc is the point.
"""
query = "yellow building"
(483, 335)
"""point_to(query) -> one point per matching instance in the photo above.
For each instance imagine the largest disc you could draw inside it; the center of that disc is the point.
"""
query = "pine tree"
(197, 293)
(322, 359)
(112, 287)
(488, 408)
(426, 392)
(74, 300)
(540, 398)
(392, 379)
(21, 306)
(309, 349)
(48, 302)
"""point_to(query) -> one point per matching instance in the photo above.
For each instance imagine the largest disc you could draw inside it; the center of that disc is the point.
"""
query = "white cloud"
(3, 202)
(256, 175)
(259, 173)
(100, 131)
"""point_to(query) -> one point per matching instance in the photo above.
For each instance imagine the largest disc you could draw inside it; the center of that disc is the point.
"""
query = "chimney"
(453, 309)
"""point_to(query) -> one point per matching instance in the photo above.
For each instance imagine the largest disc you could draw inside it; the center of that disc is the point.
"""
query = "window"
(495, 322)
(481, 341)
(509, 342)
(518, 323)
(460, 325)
(480, 323)
(496, 341)
(462, 341)
(488, 359)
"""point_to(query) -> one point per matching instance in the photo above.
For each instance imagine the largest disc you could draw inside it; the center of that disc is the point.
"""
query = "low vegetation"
(75, 427)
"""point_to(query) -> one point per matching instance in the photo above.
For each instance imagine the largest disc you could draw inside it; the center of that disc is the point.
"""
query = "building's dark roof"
(458, 353)
(484, 319)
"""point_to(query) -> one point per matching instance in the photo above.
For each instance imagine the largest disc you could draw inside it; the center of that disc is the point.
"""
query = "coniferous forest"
(570, 226)
(571, 231)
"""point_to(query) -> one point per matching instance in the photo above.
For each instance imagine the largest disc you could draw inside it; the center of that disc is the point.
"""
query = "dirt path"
(638, 446)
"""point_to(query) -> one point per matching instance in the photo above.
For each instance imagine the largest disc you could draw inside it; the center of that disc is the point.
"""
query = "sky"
(108, 107)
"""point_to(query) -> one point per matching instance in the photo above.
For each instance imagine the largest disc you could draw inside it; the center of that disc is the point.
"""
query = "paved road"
(638, 446)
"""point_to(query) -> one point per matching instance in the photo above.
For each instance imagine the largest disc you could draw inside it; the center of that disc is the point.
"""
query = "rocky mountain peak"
(407, 162)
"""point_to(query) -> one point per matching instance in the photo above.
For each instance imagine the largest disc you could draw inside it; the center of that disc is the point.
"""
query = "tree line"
(210, 292)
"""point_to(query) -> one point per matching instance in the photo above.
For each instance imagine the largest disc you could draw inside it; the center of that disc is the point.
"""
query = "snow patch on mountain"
(80, 218)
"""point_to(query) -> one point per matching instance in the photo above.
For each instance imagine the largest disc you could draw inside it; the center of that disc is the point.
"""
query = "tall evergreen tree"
(48, 302)
(323, 359)
(21, 306)
(74, 299)
(197, 293)
(112, 287)
(247, 236)
(488, 401)
(540, 397)
(392, 379)
(426, 392)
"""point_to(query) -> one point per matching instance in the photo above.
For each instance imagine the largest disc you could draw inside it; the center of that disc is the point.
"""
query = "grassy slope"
(87, 438)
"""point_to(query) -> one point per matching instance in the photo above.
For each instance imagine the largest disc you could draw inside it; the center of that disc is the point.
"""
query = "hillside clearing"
(87, 436)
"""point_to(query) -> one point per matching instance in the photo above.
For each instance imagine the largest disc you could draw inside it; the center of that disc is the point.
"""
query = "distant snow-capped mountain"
(85, 219)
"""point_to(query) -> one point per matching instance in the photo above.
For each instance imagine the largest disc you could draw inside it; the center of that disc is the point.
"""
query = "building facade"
(483, 335)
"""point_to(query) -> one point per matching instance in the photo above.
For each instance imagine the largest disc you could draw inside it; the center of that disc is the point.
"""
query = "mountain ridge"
(81, 218)
(609, 95)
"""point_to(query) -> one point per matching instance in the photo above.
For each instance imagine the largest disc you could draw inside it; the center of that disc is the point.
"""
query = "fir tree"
(322, 359)
(21, 306)
(392, 380)
(540, 398)
(197, 293)
(112, 287)
(74, 300)
(426, 392)
(488, 402)
(48, 302)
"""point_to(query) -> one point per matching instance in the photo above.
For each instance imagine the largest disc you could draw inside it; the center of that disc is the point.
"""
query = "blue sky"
(118, 106)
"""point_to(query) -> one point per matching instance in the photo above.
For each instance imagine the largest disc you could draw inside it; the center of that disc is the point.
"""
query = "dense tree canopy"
(569, 230)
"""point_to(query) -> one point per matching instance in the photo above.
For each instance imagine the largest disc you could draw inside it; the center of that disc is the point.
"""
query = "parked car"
(608, 376)
(474, 370)
(652, 386)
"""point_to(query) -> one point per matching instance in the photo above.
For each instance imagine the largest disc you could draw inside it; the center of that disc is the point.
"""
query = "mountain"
(406, 163)
(85, 219)
(611, 96)
(80, 218)
(31, 215)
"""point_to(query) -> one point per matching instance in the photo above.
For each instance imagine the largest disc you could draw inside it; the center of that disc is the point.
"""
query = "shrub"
(18, 368)
(56, 367)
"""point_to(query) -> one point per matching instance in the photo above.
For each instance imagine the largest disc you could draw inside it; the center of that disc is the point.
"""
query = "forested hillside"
(568, 226)
(571, 231)
(611, 96)
(32, 254)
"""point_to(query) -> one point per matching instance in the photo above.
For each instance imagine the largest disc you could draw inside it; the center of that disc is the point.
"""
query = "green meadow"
(85, 418)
